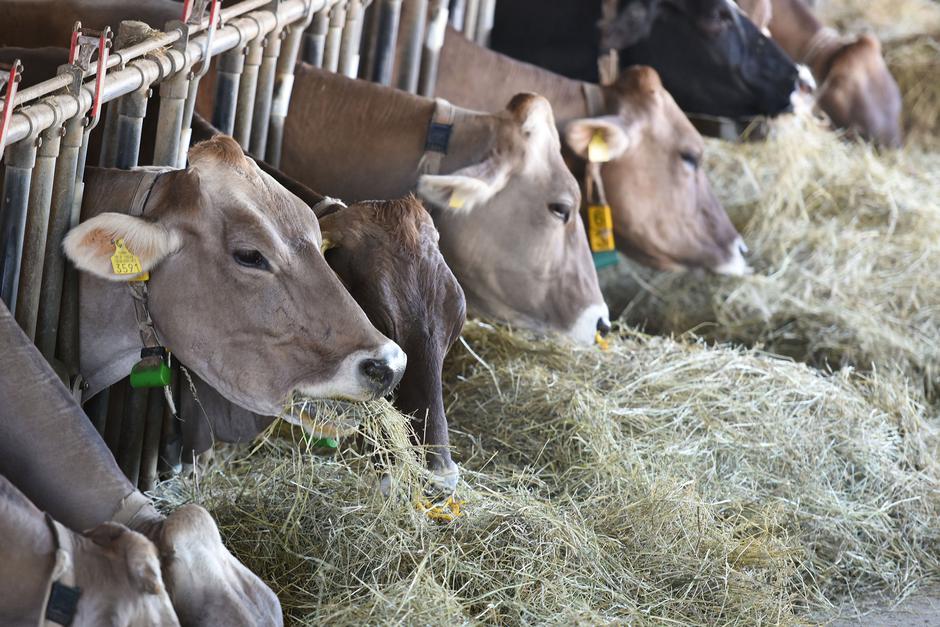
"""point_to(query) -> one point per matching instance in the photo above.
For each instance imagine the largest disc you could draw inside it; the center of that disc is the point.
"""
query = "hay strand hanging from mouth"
(657, 482)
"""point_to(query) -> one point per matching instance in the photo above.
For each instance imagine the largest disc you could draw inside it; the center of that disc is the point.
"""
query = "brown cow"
(50, 451)
(386, 255)
(664, 211)
(855, 88)
(503, 197)
(239, 289)
(114, 571)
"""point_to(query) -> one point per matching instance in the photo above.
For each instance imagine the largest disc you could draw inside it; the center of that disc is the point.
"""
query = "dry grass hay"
(845, 244)
(889, 19)
(657, 482)
(915, 64)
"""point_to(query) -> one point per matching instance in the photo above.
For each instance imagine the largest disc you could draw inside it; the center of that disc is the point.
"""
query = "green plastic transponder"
(606, 258)
(149, 373)
(326, 443)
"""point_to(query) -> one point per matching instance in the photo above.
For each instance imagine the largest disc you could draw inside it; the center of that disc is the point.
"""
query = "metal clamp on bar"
(84, 44)
(210, 33)
(10, 78)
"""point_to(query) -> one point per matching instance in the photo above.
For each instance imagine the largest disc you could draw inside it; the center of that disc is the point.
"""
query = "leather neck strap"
(61, 599)
(438, 139)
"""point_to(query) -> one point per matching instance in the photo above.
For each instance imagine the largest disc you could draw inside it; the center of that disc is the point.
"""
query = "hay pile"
(845, 244)
(660, 481)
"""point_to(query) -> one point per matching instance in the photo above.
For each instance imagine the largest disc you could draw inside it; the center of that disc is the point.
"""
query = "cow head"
(118, 571)
(386, 253)
(509, 229)
(239, 288)
(712, 59)
(858, 93)
(664, 211)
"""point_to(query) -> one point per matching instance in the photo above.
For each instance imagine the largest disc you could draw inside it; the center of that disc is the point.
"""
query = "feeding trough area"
(379, 312)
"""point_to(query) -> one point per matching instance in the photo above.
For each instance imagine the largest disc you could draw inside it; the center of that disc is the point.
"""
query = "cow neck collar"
(60, 601)
(593, 100)
(437, 141)
(138, 289)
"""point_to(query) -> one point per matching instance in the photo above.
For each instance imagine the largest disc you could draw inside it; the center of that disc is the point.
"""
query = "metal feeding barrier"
(107, 86)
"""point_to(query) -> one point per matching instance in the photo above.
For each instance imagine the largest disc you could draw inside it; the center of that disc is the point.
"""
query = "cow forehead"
(259, 202)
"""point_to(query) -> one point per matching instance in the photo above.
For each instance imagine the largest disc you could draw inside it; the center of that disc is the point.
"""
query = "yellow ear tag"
(456, 201)
(598, 151)
(325, 246)
(600, 228)
(126, 263)
(603, 344)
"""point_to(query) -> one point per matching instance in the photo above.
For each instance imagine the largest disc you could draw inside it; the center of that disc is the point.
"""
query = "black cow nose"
(378, 371)
(603, 327)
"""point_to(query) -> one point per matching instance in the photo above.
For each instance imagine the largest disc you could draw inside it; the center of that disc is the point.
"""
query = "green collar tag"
(152, 371)
(606, 258)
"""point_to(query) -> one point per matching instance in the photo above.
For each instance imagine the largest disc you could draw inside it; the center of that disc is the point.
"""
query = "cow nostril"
(378, 371)
(603, 327)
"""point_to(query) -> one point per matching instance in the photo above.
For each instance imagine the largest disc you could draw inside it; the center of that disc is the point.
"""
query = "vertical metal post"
(130, 124)
(194, 75)
(244, 111)
(283, 86)
(484, 27)
(37, 225)
(315, 38)
(151, 444)
(413, 19)
(334, 37)
(97, 410)
(173, 92)
(20, 159)
(109, 135)
(352, 38)
(433, 42)
(458, 9)
(63, 194)
(171, 435)
(471, 13)
(370, 33)
(389, 13)
(112, 427)
(132, 433)
(227, 80)
(264, 91)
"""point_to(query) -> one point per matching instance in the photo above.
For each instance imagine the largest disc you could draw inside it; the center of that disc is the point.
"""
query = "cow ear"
(332, 229)
(610, 130)
(143, 565)
(93, 243)
(467, 188)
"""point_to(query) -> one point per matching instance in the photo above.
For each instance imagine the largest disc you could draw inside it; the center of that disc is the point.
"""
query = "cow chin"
(584, 330)
(352, 381)
(735, 265)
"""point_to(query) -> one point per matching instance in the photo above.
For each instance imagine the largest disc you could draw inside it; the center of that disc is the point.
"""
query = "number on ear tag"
(598, 150)
(124, 262)
(456, 201)
(601, 228)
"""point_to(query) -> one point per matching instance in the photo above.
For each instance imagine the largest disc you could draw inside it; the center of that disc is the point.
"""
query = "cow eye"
(560, 211)
(690, 159)
(251, 259)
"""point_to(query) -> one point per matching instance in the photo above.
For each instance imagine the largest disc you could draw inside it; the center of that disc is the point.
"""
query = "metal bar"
(193, 88)
(112, 427)
(471, 13)
(149, 69)
(37, 225)
(433, 42)
(283, 86)
(458, 10)
(245, 109)
(9, 79)
(132, 433)
(173, 93)
(315, 38)
(264, 91)
(151, 445)
(97, 410)
(413, 20)
(334, 37)
(171, 433)
(131, 111)
(484, 22)
(63, 194)
(389, 12)
(20, 159)
(227, 80)
(352, 38)
(370, 37)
